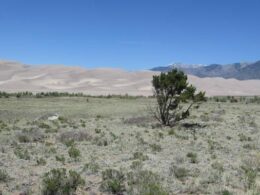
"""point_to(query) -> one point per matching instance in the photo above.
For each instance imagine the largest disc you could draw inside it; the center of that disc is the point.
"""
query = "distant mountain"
(240, 71)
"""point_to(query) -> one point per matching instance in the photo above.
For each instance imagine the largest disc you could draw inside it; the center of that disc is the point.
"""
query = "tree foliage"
(171, 90)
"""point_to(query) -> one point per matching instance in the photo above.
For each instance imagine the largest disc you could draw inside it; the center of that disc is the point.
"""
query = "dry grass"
(215, 151)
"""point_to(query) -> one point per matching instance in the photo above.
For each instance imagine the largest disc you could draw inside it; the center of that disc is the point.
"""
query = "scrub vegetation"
(113, 145)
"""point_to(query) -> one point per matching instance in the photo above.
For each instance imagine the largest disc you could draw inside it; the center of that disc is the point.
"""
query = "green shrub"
(74, 152)
(179, 172)
(99, 116)
(242, 137)
(41, 161)
(114, 136)
(58, 182)
(135, 182)
(3, 126)
(213, 145)
(101, 140)
(83, 123)
(69, 143)
(226, 192)
(140, 139)
(44, 126)
(160, 135)
(76, 136)
(229, 138)
(155, 147)
(193, 157)
(91, 167)
(250, 176)
(22, 153)
(220, 99)
(183, 137)
(63, 119)
(140, 156)
(218, 166)
(97, 130)
(233, 99)
(4, 177)
(51, 130)
(171, 132)
(204, 117)
(252, 123)
(145, 182)
(23, 138)
(60, 158)
(52, 150)
(113, 181)
(30, 135)
(250, 146)
(136, 165)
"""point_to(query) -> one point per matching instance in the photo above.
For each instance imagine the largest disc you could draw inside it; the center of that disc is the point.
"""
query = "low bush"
(60, 158)
(58, 182)
(70, 136)
(243, 137)
(140, 156)
(97, 130)
(136, 165)
(113, 181)
(92, 167)
(226, 192)
(171, 132)
(4, 177)
(138, 121)
(69, 143)
(100, 140)
(179, 172)
(30, 135)
(135, 182)
(218, 166)
(155, 147)
(22, 153)
(145, 182)
(41, 161)
(63, 119)
(74, 153)
(250, 176)
(44, 126)
(193, 157)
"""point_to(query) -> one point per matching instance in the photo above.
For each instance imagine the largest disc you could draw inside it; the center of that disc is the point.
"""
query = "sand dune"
(102, 81)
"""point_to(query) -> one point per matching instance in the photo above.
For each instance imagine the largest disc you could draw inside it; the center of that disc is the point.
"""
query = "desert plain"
(214, 151)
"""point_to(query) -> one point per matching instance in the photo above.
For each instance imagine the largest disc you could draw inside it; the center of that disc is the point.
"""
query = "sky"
(129, 34)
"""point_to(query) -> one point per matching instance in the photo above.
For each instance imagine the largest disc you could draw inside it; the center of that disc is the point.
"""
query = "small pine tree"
(171, 89)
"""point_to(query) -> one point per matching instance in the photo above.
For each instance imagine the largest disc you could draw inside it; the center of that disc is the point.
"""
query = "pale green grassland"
(215, 151)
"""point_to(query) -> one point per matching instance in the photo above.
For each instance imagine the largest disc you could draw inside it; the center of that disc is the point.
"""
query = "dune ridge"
(16, 77)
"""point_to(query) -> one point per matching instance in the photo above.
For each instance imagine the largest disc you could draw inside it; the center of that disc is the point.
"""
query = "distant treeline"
(235, 99)
(232, 99)
(62, 94)
(39, 95)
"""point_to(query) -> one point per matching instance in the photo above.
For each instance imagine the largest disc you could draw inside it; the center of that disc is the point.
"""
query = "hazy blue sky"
(132, 34)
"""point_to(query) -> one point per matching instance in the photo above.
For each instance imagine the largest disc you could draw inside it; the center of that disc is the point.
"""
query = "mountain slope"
(240, 71)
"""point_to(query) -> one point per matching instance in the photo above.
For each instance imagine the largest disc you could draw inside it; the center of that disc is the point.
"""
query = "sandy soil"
(102, 81)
